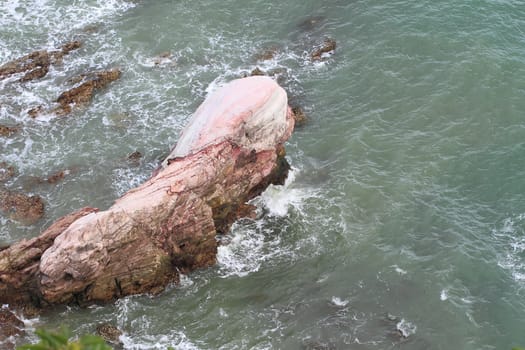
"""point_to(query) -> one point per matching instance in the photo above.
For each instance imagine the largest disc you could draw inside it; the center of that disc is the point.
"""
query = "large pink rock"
(230, 152)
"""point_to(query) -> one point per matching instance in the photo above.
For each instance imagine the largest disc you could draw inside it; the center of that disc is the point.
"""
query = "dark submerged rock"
(310, 23)
(267, 53)
(134, 157)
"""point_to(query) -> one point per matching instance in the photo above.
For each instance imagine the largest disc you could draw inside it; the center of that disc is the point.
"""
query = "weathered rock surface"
(230, 152)
(21, 207)
(36, 64)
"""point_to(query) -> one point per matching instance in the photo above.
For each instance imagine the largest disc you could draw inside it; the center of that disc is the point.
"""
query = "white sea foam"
(511, 235)
(443, 295)
(336, 301)
(243, 254)
(406, 328)
(399, 270)
(279, 199)
(176, 340)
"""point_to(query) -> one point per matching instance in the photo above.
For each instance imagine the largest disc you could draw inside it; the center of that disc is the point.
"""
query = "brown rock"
(10, 325)
(6, 171)
(134, 157)
(21, 207)
(229, 153)
(323, 50)
(19, 262)
(36, 64)
(56, 177)
(8, 130)
(299, 115)
(257, 71)
(36, 111)
(109, 332)
(83, 93)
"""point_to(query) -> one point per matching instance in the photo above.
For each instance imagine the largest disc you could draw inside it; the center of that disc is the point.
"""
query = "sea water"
(402, 225)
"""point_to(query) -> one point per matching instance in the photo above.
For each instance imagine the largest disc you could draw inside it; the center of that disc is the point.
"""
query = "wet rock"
(7, 131)
(109, 332)
(10, 325)
(324, 50)
(231, 150)
(82, 94)
(21, 207)
(299, 116)
(6, 171)
(257, 71)
(134, 157)
(36, 64)
(35, 111)
(56, 177)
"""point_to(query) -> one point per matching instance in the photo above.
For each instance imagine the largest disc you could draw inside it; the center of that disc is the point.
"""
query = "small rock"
(8, 130)
(134, 157)
(110, 333)
(35, 111)
(6, 171)
(325, 49)
(56, 177)
(299, 116)
(10, 325)
(21, 207)
(257, 71)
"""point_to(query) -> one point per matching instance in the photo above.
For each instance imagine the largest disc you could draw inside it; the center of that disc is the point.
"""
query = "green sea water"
(402, 225)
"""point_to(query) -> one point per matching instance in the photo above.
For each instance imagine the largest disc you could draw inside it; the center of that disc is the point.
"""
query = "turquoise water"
(402, 225)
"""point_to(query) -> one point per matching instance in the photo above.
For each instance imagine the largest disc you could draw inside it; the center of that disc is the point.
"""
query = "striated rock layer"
(230, 152)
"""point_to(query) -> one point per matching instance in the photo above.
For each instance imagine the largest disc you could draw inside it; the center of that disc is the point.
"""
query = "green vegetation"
(61, 341)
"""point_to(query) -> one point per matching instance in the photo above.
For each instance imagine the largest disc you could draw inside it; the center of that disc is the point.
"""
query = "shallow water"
(402, 225)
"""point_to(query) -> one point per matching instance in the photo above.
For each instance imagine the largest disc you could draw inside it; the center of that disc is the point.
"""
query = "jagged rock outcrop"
(83, 93)
(36, 64)
(230, 152)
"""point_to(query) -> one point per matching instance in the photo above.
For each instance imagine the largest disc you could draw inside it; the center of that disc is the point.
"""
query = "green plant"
(61, 341)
